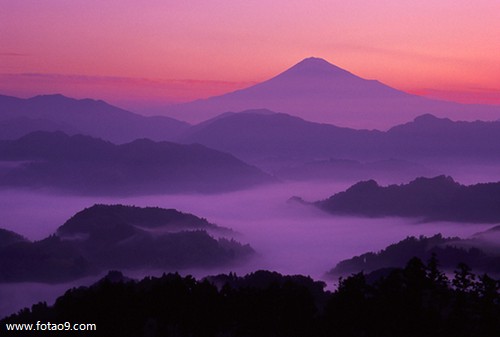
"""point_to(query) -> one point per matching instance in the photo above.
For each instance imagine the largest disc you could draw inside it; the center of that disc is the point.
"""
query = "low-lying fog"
(289, 238)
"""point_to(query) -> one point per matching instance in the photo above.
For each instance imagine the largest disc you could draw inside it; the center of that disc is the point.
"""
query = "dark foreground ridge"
(431, 199)
(105, 237)
(417, 300)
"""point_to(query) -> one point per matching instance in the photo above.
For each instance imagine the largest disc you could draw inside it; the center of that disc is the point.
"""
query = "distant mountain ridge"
(258, 133)
(319, 91)
(430, 136)
(259, 136)
(82, 164)
(254, 134)
(86, 116)
(278, 143)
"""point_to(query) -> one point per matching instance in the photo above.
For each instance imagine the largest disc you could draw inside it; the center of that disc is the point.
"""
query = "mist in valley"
(288, 237)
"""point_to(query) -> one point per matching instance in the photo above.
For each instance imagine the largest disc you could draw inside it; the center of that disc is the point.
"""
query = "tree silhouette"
(414, 301)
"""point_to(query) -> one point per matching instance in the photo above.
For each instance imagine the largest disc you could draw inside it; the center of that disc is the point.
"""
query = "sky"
(148, 53)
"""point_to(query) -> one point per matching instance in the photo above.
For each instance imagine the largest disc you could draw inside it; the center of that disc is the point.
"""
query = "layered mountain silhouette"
(105, 237)
(94, 118)
(82, 164)
(270, 140)
(449, 252)
(258, 134)
(431, 199)
(322, 92)
(432, 137)
(293, 148)
(277, 140)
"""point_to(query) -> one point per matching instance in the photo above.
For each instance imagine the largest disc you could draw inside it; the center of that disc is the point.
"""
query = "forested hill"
(417, 300)
(451, 251)
(104, 237)
(431, 199)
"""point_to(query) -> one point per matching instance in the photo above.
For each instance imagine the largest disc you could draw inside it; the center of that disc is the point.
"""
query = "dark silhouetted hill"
(105, 237)
(81, 164)
(8, 238)
(97, 218)
(431, 199)
(416, 300)
(449, 252)
(87, 116)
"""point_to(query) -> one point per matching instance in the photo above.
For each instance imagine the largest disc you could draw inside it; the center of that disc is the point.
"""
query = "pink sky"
(130, 51)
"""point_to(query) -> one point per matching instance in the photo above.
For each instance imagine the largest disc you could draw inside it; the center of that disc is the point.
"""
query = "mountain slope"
(432, 199)
(257, 134)
(322, 92)
(8, 238)
(81, 164)
(104, 237)
(263, 136)
(87, 116)
(432, 137)
(449, 252)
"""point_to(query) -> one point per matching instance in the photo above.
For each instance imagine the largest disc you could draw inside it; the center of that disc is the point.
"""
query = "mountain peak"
(61, 99)
(315, 60)
(319, 91)
(430, 119)
(50, 97)
(316, 66)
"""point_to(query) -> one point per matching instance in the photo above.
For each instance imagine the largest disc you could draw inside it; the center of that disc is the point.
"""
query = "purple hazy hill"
(319, 91)
(19, 117)
(257, 136)
(85, 165)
